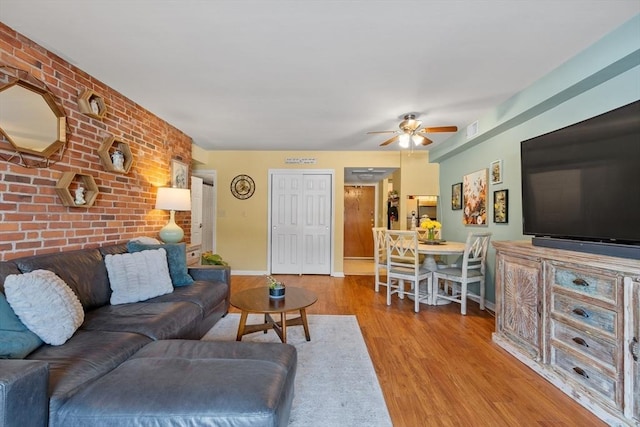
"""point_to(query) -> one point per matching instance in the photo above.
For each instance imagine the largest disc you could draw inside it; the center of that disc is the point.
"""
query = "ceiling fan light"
(403, 140)
(417, 139)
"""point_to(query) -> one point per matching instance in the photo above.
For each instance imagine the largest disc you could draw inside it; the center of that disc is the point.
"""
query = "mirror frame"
(15, 77)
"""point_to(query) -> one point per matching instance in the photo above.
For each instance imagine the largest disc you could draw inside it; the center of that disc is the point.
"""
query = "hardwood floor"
(436, 367)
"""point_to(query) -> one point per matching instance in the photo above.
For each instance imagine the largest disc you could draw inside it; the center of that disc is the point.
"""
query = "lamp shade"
(173, 199)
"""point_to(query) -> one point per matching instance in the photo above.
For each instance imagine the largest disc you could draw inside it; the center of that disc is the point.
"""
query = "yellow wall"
(242, 225)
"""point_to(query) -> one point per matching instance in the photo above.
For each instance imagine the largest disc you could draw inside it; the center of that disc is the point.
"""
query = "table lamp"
(173, 199)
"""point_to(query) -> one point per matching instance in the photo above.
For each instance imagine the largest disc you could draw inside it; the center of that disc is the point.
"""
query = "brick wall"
(33, 219)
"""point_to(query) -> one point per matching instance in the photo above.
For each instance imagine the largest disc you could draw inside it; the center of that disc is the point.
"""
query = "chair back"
(402, 249)
(475, 252)
(379, 245)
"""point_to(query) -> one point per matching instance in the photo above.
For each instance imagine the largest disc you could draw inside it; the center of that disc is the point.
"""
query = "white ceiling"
(315, 75)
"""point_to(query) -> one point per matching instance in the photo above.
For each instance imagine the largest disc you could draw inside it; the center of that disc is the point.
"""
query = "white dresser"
(574, 318)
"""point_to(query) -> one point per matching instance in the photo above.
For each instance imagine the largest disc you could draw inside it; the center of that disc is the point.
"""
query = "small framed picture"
(501, 206)
(456, 196)
(179, 174)
(496, 172)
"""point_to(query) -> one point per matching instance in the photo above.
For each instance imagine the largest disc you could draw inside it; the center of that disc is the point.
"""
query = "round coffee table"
(256, 300)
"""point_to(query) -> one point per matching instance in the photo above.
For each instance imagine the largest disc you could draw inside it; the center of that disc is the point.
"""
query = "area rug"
(335, 383)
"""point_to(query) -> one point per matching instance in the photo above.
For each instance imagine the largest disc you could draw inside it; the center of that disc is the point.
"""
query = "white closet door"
(316, 231)
(286, 236)
(301, 206)
(196, 210)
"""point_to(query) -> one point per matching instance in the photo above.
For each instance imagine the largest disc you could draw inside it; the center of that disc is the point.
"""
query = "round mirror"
(30, 119)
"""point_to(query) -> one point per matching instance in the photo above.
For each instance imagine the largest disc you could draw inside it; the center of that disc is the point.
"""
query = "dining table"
(438, 248)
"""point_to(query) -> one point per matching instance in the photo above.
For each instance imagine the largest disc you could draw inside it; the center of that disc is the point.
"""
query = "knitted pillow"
(138, 276)
(45, 304)
(176, 257)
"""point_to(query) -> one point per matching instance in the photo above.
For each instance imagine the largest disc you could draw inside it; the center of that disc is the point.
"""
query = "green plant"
(273, 283)
(209, 258)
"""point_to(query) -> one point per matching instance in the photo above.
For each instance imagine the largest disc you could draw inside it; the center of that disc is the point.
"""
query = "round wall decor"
(242, 187)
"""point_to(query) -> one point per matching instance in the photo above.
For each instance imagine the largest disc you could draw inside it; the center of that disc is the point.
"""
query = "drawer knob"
(580, 341)
(580, 371)
(581, 312)
(580, 282)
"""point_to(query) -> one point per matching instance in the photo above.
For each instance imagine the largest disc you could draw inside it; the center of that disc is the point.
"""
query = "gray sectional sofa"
(142, 364)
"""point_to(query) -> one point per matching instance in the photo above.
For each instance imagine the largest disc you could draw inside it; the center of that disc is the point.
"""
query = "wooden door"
(359, 219)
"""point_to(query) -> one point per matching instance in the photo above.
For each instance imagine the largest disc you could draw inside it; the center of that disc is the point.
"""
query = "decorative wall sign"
(456, 196)
(496, 172)
(474, 188)
(179, 174)
(501, 206)
(243, 187)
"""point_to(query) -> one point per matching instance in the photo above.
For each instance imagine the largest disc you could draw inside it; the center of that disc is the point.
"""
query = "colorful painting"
(501, 206)
(456, 196)
(496, 172)
(474, 190)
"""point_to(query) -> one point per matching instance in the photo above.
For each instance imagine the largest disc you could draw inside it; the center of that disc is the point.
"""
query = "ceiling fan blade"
(439, 129)
(389, 141)
(426, 140)
(382, 131)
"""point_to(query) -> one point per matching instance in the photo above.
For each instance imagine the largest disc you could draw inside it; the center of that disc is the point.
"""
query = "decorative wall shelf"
(70, 182)
(109, 146)
(92, 104)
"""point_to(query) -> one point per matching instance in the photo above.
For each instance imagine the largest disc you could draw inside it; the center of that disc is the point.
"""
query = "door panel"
(317, 224)
(285, 225)
(196, 210)
(359, 218)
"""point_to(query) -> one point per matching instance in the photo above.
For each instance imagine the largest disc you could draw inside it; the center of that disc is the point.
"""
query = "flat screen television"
(581, 185)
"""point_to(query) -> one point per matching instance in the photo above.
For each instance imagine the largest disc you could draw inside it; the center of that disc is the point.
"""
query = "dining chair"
(403, 264)
(379, 255)
(471, 270)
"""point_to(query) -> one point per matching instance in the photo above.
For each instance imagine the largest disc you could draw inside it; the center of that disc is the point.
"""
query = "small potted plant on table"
(276, 288)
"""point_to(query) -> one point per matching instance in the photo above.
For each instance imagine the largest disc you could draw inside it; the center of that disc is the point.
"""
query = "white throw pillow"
(146, 240)
(138, 276)
(45, 304)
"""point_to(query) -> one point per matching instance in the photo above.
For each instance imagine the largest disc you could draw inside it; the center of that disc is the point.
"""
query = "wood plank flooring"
(436, 367)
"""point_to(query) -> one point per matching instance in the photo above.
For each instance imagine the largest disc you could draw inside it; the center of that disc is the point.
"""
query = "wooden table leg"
(305, 325)
(283, 322)
(243, 322)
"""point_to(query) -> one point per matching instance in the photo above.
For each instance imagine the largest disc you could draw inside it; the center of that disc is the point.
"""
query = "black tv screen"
(582, 182)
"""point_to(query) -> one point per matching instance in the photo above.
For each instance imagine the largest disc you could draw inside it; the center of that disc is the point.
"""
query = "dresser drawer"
(599, 349)
(193, 256)
(585, 374)
(598, 284)
(585, 314)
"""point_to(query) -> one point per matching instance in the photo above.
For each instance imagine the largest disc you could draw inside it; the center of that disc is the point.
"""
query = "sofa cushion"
(85, 357)
(206, 295)
(138, 276)
(219, 383)
(16, 340)
(83, 270)
(176, 258)
(156, 320)
(45, 304)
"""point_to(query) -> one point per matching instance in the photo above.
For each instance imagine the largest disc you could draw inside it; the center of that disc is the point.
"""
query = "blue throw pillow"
(176, 258)
(16, 340)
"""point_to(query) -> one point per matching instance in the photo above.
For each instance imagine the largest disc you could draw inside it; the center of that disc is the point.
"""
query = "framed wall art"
(179, 174)
(456, 196)
(501, 206)
(474, 192)
(496, 172)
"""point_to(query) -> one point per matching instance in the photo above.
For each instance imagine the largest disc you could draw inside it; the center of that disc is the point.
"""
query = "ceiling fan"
(410, 131)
